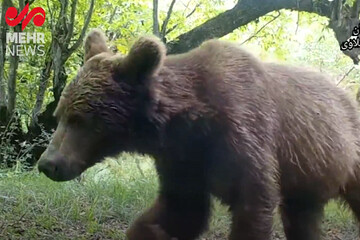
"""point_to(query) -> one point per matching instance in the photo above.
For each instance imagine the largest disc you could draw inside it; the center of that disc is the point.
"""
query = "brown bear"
(218, 122)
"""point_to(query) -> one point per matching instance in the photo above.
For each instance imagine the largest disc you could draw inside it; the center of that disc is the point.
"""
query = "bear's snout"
(48, 167)
(55, 167)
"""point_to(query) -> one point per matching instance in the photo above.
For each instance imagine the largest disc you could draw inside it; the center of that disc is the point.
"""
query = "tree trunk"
(59, 80)
(246, 11)
(342, 21)
(14, 63)
(43, 83)
(3, 29)
(156, 30)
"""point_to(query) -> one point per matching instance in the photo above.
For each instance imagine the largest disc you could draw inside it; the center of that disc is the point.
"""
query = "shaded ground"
(114, 229)
(106, 201)
(28, 229)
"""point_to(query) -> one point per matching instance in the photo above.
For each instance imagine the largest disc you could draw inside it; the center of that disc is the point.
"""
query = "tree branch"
(43, 83)
(246, 11)
(171, 29)
(193, 11)
(83, 31)
(185, 5)
(113, 15)
(166, 21)
(297, 23)
(64, 6)
(29, 2)
(187, 16)
(256, 33)
(346, 74)
(72, 22)
(242, 13)
(51, 16)
(355, 9)
(156, 30)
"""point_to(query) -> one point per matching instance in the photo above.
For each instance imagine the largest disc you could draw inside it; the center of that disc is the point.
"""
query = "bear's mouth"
(61, 177)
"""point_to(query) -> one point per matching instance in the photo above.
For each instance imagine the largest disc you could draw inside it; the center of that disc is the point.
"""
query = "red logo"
(37, 14)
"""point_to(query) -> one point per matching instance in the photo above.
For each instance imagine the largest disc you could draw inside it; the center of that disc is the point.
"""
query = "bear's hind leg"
(252, 215)
(301, 218)
(251, 223)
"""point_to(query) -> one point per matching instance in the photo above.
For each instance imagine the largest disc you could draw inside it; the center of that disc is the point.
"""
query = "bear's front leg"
(252, 214)
(172, 218)
(146, 230)
(182, 208)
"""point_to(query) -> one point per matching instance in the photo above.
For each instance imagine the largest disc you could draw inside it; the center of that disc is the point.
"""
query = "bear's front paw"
(148, 232)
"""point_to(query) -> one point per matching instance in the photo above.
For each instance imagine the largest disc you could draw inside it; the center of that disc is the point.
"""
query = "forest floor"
(105, 200)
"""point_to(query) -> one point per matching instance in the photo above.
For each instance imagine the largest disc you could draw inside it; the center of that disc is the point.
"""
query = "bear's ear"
(95, 43)
(145, 58)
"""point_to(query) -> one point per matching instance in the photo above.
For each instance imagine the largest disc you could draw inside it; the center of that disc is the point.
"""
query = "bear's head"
(98, 110)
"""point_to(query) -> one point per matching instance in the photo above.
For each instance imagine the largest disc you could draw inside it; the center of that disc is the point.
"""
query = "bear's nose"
(48, 167)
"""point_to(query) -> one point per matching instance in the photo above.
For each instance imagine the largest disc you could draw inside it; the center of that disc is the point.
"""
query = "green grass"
(103, 203)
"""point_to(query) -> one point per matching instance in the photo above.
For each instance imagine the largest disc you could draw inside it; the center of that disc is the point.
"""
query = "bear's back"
(313, 122)
(319, 125)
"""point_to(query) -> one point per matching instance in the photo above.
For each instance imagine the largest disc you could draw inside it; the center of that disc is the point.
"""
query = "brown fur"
(217, 121)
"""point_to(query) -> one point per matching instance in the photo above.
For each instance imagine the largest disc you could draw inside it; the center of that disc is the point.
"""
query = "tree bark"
(343, 19)
(166, 20)
(156, 30)
(246, 11)
(58, 65)
(3, 29)
(14, 64)
(43, 83)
